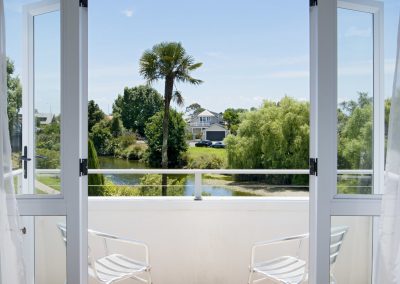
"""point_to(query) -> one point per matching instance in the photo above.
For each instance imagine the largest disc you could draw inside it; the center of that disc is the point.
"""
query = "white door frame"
(28, 81)
(324, 200)
(72, 202)
(323, 144)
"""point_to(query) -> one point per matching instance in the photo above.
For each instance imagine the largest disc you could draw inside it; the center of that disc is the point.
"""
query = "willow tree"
(168, 61)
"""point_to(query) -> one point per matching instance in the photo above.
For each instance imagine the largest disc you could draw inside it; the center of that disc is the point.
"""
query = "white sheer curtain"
(388, 262)
(11, 260)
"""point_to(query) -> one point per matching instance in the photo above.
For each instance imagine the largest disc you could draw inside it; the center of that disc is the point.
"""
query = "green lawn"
(206, 158)
(50, 181)
(197, 152)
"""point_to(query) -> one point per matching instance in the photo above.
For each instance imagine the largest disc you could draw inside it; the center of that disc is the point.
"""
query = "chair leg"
(250, 281)
(333, 279)
(149, 277)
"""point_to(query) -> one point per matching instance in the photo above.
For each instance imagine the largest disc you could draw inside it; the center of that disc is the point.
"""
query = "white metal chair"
(113, 268)
(291, 269)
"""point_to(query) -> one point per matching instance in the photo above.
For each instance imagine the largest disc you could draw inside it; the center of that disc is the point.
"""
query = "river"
(115, 163)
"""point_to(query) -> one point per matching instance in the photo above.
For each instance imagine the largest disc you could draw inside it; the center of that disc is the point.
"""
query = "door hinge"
(313, 3)
(83, 3)
(313, 166)
(83, 167)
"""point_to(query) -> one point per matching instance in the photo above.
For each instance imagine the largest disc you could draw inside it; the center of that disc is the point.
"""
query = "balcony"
(202, 239)
(199, 124)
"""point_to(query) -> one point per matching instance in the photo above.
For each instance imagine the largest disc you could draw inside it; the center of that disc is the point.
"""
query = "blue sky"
(251, 50)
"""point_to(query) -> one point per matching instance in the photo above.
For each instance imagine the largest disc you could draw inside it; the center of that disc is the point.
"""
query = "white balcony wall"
(209, 241)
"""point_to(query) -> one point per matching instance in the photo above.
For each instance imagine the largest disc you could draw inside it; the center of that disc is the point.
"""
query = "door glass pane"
(14, 32)
(47, 102)
(391, 20)
(33, 81)
(355, 101)
(352, 256)
(45, 249)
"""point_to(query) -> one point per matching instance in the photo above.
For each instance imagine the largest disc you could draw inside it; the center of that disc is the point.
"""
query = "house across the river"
(208, 125)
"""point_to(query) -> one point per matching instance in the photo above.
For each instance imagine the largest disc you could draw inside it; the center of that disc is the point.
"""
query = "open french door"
(53, 178)
(330, 51)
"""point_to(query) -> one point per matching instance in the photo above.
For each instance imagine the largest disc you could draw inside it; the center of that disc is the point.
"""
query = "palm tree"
(168, 61)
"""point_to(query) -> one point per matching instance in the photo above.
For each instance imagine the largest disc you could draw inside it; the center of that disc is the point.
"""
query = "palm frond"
(149, 66)
(185, 78)
(195, 66)
(178, 98)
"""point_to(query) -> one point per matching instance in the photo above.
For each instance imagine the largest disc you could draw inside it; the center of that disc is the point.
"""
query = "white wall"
(209, 241)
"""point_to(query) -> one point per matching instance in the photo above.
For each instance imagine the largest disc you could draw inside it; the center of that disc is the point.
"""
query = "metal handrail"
(201, 171)
(198, 173)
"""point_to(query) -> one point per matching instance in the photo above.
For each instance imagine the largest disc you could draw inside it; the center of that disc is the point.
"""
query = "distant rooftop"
(205, 113)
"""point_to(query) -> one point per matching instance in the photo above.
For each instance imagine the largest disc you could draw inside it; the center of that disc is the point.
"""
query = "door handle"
(40, 157)
(25, 159)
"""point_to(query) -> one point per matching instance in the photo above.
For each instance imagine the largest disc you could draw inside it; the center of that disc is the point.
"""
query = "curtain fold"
(11, 258)
(388, 257)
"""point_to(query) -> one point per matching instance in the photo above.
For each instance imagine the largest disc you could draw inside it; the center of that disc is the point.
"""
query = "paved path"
(45, 188)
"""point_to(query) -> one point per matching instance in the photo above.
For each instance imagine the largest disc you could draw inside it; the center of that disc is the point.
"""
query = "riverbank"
(254, 188)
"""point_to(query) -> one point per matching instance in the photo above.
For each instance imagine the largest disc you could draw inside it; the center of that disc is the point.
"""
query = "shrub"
(112, 189)
(136, 152)
(189, 136)
(50, 159)
(150, 185)
(95, 181)
(205, 161)
(127, 139)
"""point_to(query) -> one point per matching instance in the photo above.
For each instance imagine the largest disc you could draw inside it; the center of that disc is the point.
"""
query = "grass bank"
(206, 158)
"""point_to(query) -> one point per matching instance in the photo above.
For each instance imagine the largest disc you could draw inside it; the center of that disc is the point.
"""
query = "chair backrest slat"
(337, 236)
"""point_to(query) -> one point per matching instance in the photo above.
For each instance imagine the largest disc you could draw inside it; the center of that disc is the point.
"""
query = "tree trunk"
(169, 87)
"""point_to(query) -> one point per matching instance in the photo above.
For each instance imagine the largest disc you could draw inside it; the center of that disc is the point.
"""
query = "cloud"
(358, 32)
(128, 13)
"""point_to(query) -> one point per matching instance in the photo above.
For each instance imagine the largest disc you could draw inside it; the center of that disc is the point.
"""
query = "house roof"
(216, 127)
(205, 113)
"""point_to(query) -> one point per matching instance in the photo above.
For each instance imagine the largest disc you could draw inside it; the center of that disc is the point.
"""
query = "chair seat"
(286, 269)
(117, 267)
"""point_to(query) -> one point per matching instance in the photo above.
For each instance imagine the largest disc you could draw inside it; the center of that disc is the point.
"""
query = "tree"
(14, 96)
(176, 139)
(95, 181)
(117, 105)
(232, 118)
(116, 126)
(95, 114)
(355, 132)
(136, 106)
(168, 61)
(48, 145)
(194, 109)
(102, 138)
(276, 136)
